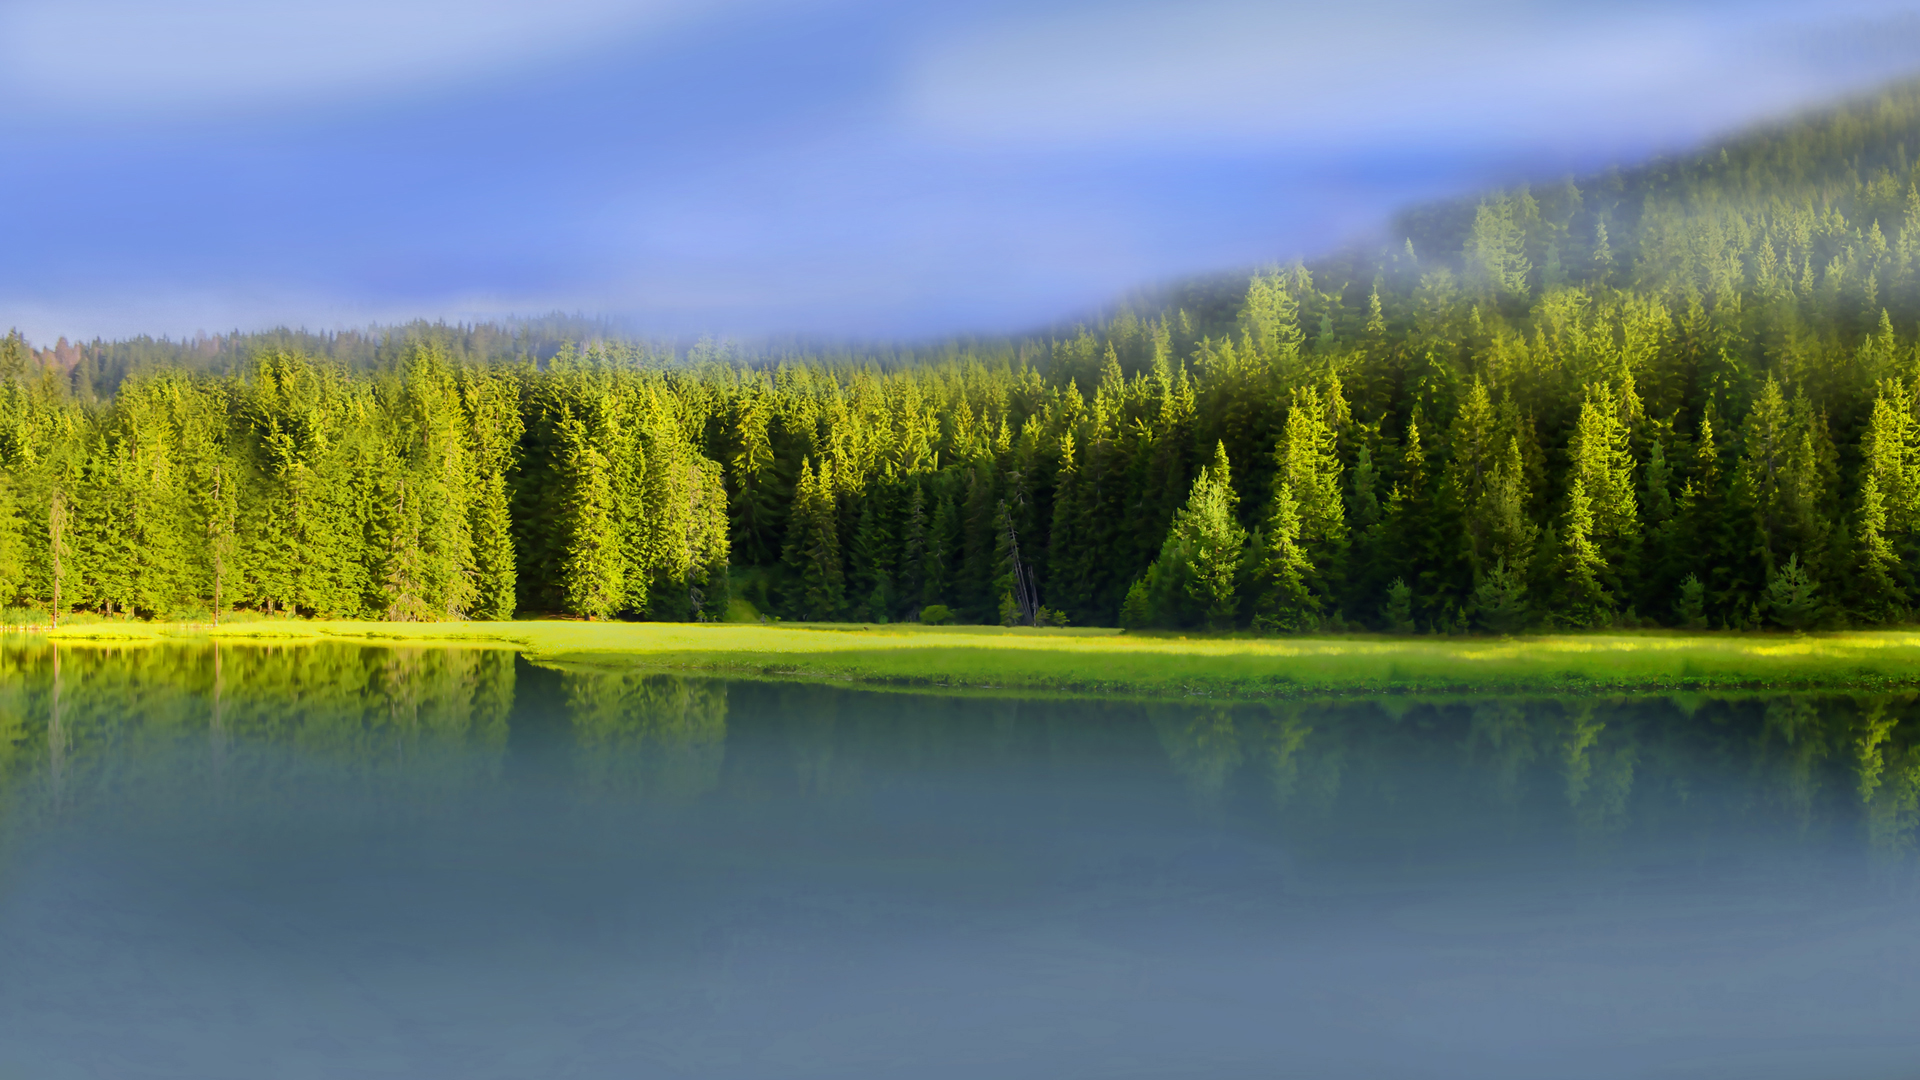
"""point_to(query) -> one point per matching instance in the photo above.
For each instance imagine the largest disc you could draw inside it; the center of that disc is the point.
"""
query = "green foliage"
(1193, 581)
(1690, 610)
(1136, 611)
(936, 615)
(1398, 612)
(813, 546)
(1500, 601)
(1791, 596)
(1570, 402)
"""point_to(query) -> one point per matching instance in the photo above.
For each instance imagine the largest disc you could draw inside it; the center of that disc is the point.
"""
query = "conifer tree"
(13, 546)
(1496, 249)
(223, 511)
(871, 577)
(1419, 544)
(1193, 581)
(1601, 526)
(1881, 596)
(57, 521)
(1890, 449)
(493, 413)
(593, 575)
(1279, 569)
(756, 484)
(1310, 463)
(372, 478)
(943, 540)
(1474, 442)
(979, 540)
(1785, 457)
(813, 539)
(1584, 600)
(1309, 466)
(913, 551)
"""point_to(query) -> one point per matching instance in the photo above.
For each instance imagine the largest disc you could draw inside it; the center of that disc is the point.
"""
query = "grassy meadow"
(1073, 661)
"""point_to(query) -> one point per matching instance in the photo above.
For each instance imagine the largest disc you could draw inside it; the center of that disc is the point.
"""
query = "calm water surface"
(335, 861)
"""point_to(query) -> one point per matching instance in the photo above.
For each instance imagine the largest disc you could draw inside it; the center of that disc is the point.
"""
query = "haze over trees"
(1686, 395)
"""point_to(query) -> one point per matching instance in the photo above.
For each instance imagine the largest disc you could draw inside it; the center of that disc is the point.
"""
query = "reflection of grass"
(1105, 661)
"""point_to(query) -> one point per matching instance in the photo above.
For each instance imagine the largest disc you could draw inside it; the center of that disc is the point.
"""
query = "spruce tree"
(13, 546)
(1601, 526)
(757, 490)
(1279, 569)
(1309, 467)
(1584, 601)
(593, 574)
(813, 546)
(871, 571)
(1193, 581)
(492, 403)
(943, 542)
(1767, 442)
(1879, 595)
(913, 551)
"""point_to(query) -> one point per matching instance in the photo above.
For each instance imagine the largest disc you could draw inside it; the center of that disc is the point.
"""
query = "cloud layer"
(828, 167)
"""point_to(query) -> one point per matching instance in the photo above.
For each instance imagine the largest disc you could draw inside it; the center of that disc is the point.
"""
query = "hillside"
(1680, 395)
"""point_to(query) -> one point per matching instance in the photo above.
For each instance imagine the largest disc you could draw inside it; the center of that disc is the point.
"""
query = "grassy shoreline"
(1081, 662)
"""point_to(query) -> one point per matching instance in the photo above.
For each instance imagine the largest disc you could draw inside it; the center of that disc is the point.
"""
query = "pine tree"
(813, 545)
(1584, 601)
(871, 572)
(1880, 595)
(757, 490)
(1309, 467)
(1496, 250)
(943, 540)
(1474, 442)
(1766, 445)
(593, 576)
(979, 539)
(913, 551)
(1500, 600)
(1890, 449)
(1193, 580)
(1420, 539)
(1309, 462)
(1792, 596)
(57, 522)
(493, 415)
(1280, 569)
(1601, 526)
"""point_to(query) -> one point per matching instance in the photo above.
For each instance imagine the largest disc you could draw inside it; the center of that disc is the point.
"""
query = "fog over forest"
(1683, 395)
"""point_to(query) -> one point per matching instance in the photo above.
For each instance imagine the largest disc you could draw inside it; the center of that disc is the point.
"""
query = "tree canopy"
(1688, 394)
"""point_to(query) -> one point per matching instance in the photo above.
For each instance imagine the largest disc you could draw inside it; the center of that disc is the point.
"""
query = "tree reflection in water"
(509, 869)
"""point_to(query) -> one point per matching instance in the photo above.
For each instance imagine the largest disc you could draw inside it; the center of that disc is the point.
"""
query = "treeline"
(420, 493)
(95, 369)
(1686, 396)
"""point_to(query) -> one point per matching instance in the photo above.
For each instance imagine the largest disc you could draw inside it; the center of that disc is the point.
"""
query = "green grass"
(1077, 661)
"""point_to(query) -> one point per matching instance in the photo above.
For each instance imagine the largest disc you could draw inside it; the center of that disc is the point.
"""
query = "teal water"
(337, 861)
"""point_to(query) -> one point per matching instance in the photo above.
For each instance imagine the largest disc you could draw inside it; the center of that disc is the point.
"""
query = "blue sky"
(815, 166)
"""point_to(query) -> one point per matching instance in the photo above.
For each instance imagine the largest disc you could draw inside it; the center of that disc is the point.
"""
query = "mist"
(848, 169)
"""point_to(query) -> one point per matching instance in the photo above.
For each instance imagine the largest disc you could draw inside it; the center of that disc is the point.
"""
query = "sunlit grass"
(1107, 661)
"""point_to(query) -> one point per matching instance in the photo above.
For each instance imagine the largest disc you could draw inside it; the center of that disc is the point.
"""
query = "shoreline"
(1095, 662)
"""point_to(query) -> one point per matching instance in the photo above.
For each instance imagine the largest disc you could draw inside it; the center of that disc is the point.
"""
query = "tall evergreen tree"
(813, 538)
(1194, 580)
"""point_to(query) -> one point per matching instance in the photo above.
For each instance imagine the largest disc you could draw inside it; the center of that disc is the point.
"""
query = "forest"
(1684, 395)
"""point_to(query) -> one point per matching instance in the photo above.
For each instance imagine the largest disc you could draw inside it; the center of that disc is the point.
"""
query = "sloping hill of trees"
(1687, 394)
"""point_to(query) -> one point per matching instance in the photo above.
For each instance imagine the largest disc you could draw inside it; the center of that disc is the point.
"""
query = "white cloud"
(142, 56)
(1365, 71)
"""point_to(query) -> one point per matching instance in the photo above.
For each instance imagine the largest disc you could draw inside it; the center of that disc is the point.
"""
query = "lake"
(350, 861)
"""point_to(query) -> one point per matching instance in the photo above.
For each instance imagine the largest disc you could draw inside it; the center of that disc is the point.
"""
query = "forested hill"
(95, 369)
(1681, 395)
